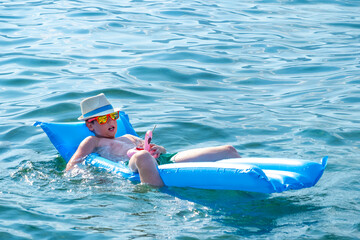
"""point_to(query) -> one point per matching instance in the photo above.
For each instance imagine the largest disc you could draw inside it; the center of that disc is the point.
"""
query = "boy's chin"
(111, 135)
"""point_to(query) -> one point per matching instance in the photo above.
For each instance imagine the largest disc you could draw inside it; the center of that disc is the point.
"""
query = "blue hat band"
(98, 110)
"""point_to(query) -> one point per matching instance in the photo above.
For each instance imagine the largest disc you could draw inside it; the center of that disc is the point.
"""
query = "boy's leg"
(146, 165)
(209, 154)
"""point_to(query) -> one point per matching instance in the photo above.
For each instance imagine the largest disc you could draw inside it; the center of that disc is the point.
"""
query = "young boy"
(100, 117)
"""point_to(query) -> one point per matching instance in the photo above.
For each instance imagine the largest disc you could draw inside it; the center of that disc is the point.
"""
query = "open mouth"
(111, 129)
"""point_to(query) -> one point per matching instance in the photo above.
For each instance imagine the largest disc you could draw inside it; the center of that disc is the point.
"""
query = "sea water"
(272, 78)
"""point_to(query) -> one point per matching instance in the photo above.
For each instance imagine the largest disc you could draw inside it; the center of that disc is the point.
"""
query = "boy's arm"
(86, 147)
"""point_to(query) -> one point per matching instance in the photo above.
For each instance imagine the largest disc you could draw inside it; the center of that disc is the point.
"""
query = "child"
(100, 117)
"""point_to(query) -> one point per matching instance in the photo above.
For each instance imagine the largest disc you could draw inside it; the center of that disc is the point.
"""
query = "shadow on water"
(246, 212)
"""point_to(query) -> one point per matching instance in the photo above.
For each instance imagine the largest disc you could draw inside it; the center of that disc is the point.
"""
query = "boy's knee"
(143, 159)
(142, 154)
(231, 150)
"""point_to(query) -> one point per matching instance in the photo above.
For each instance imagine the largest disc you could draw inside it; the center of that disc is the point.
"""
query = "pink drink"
(147, 146)
(148, 138)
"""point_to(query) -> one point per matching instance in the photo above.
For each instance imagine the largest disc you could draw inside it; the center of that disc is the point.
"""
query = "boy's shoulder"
(128, 135)
(91, 140)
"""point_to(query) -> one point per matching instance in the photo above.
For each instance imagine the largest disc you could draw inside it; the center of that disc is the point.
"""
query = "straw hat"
(96, 106)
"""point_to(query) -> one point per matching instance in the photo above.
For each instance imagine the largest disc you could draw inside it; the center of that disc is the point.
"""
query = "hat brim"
(81, 118)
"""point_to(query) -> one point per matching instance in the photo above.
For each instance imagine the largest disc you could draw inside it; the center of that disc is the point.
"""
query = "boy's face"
(107, 130)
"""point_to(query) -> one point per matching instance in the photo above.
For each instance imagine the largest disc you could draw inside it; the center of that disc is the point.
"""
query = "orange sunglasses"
(103, 119)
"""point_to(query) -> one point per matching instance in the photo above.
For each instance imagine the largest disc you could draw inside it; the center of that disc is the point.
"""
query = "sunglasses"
(103, 119)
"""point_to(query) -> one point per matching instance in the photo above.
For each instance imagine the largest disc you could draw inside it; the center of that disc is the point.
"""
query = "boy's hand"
(156, 150)
(140, 146)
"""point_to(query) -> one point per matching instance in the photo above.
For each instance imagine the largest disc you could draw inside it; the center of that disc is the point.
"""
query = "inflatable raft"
(264, 175)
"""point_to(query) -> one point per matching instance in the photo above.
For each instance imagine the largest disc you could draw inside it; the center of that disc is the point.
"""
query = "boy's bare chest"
(118, 146)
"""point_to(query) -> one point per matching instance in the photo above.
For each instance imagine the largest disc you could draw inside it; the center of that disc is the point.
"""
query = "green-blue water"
(272, 78)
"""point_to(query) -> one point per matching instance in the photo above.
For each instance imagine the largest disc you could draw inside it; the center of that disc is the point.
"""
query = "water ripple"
(34, 62)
